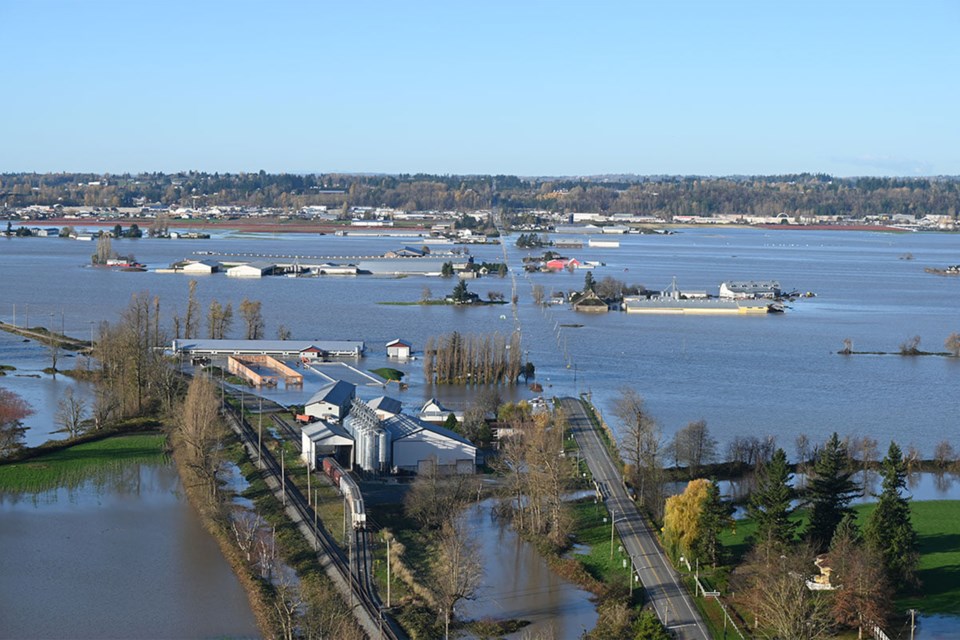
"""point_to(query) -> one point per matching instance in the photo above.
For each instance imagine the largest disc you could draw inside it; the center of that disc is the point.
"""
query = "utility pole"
(388, 573)
(613, 513)
(283, 478)
(316, 538)
(309, 494)
(260, 434)
(913, 622)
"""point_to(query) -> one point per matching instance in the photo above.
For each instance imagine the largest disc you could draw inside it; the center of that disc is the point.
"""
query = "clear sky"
(848, 87)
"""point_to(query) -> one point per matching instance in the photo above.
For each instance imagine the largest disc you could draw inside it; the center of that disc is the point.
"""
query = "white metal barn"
(201, 267)
(414, 442)
(322, 439)
(332, 401)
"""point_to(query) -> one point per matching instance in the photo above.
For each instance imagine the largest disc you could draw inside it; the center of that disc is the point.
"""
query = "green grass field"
(74, 465)
(938, 529)
(593, 532)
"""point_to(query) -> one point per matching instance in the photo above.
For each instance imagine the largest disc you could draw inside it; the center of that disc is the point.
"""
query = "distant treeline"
(660, 196)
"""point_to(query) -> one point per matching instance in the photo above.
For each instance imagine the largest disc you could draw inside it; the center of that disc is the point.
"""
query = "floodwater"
(776, 375)
(121, 556)
(518, 583)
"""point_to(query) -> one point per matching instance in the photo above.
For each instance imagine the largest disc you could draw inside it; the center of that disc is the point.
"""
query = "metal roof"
(404, 425)
(322, 430)
(269, 346)
(388, 405)
(339, 393)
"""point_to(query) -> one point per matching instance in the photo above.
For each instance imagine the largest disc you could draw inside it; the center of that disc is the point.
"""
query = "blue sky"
(530, 88)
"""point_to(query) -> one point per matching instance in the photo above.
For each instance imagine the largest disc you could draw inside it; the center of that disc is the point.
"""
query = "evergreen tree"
(588, 282)
(830, 492)
(460, 293)
(769, 505)
(446, 270)
(715, 516)
(889, 531)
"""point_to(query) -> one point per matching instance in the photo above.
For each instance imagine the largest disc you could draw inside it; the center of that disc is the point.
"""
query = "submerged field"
(72, 466)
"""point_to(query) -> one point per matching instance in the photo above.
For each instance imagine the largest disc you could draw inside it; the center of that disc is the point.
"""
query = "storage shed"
(398, 349)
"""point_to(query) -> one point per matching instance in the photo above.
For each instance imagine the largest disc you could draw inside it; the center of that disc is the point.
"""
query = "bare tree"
(246, 527)
(105, 406)
(283, 333)
(71, 414)
(435, 499)
(53, 348)
(193, 312)
(771, 585)
(952, 344)
(456, 571)
(201, 430)
(847, 346)
(642, 445)
(538, 294)
(219, 319)
(910, 347)
(425, 294)
(253, 318)
(944, 454)
(694, 446)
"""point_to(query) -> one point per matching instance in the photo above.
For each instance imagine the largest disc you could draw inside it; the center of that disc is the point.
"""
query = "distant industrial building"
(745, 290)
(302, 349)
(251, 270)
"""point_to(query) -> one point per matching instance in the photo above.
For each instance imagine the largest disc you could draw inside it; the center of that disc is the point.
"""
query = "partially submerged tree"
(71, 414)
(201, 430)
(219, 320)
(13, 409)
(694, 446)
(456, 571)
(252, 316)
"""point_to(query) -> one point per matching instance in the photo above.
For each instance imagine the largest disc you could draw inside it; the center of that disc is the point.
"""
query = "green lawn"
(938, 527)
(74, 465)
(593, 532)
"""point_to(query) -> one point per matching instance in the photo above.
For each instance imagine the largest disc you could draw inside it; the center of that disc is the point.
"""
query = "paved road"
(660, 581)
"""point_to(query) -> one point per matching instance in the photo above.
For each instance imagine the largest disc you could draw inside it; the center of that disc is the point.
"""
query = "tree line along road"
(660, 580)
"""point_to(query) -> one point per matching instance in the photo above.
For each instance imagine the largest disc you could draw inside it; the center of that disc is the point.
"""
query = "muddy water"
(517, 583)
(118, 557)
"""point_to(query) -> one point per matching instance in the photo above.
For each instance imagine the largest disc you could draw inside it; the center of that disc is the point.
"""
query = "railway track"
(355, 566)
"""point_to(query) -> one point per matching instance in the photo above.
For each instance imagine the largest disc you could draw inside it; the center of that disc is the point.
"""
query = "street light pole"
(613, 513)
